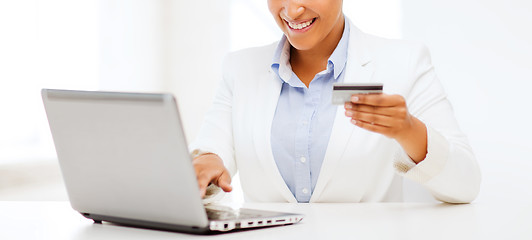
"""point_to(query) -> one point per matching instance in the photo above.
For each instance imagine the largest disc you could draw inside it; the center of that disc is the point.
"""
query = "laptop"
(124, 159)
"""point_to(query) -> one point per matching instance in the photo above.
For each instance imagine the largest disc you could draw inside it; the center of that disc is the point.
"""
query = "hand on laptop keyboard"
(209, 168)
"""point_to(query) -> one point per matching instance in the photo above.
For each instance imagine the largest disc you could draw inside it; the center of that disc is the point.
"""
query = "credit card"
(342, 91)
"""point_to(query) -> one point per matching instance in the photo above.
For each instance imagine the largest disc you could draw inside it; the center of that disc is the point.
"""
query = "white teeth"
(301, 25)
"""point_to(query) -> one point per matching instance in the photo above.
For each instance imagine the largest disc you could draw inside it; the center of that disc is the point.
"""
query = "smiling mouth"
(300, 25)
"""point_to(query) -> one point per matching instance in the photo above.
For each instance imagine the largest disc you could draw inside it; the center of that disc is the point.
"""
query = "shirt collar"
(281, 58)
(339, 56)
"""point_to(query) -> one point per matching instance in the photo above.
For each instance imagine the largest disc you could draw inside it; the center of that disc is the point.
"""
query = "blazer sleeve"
(216, 132)
(450, 170)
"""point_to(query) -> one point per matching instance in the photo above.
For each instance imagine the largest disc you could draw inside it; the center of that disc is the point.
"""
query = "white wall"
(482, 51)
(377, 17)
(197, 43)
(165, 46)
(43, 44)
(251, 24)
(132, 45)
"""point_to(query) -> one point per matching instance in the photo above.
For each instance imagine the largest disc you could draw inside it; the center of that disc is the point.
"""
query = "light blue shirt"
(304, 118)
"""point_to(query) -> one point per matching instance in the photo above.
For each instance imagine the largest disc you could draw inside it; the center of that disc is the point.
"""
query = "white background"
(482, 51)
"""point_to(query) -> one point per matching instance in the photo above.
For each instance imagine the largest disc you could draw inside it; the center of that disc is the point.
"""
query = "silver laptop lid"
(124, 155)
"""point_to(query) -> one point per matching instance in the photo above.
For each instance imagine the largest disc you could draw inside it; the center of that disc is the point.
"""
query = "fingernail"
(348, 105)
(353, 121)
(354, 99)
(349, 113)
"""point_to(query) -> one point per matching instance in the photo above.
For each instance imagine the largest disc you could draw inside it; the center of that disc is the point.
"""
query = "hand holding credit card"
(342, 92)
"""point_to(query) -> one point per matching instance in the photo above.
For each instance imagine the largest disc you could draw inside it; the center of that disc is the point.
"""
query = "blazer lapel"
(358, 69)
(267, 97)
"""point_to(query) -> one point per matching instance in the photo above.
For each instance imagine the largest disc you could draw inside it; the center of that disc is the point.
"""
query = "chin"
(301, 44)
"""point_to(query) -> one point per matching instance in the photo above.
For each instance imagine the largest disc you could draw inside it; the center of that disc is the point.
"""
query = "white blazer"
(359, 166)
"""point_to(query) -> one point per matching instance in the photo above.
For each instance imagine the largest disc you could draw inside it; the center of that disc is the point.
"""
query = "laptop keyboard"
(214, 214)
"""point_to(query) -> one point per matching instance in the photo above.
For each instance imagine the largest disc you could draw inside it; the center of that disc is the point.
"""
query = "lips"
(300, 25)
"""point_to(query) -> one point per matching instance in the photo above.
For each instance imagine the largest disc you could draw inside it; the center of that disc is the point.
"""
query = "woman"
(272, 118)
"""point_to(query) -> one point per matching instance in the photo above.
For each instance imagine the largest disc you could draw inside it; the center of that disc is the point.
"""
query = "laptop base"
(147, 224)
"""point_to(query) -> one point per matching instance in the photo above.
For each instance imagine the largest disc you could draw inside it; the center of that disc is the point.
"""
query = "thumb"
(224, 182)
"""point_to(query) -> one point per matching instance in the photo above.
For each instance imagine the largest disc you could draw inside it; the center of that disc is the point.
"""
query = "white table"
(56, 220)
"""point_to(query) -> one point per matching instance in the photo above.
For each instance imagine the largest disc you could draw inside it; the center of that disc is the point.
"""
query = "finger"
(371, 127)
(224, 182)
(387, 111)
(381, 100)
(202, 192)
(374, 119)
(203, 182)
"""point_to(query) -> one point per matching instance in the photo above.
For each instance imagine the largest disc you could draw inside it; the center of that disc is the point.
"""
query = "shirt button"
(303, 159)
(305, 191)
